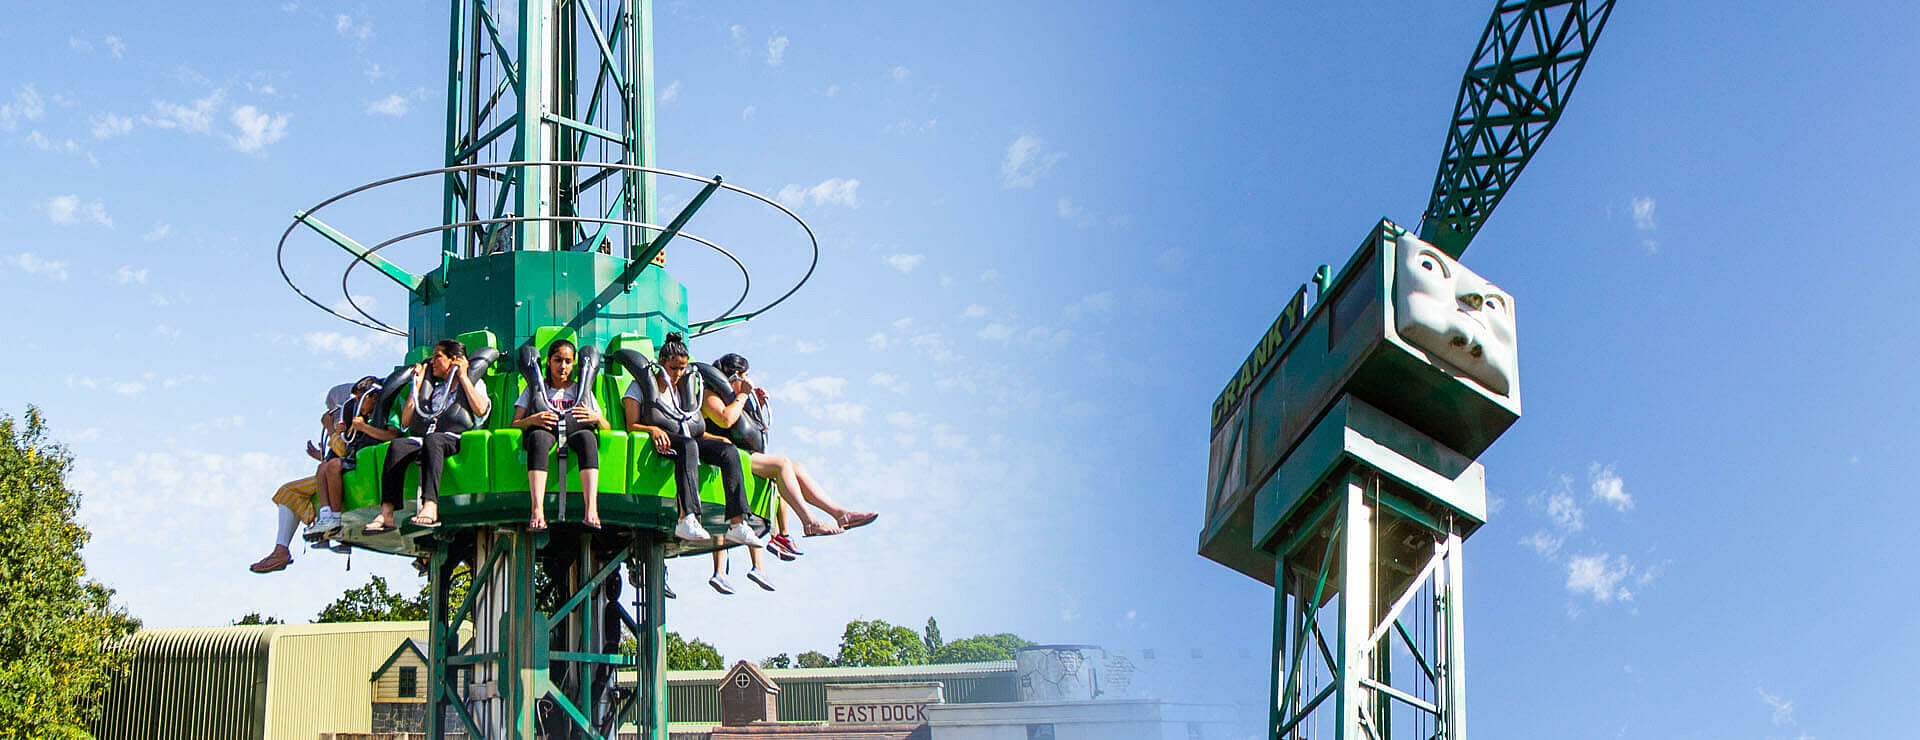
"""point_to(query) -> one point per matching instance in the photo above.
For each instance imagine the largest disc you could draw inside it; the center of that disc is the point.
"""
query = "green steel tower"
(1343, 468)
(547, 231)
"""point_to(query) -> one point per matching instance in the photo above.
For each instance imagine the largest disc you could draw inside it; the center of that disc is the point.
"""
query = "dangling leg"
(811, 490)
(686, 484)
(434, 451)
(585, 445)
(780, 470)
(400, 453)
(539, 445)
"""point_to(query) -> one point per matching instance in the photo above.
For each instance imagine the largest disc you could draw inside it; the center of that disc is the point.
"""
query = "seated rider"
(442, 403)
(295, 501)
(738, 410)
(666, 405)
(560, 399)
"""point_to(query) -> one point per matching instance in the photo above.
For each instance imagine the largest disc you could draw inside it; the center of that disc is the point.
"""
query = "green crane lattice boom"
(1522, 73)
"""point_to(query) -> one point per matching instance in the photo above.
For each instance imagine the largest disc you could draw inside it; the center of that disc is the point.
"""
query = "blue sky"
(1049, 234)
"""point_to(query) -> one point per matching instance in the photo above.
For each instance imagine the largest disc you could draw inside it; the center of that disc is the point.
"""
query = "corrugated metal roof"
(855, 674)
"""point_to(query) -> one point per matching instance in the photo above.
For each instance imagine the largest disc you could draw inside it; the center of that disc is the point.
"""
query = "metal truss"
(1522, 73)
(539, 662)
(1387, 584)
(585, 95)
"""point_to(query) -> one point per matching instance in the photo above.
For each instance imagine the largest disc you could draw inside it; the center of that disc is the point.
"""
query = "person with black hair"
(567, 402)
(666, 406)
(443, 403)
(739, 412)
(316, 499)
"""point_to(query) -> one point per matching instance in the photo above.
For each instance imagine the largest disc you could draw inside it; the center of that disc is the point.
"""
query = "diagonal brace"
(394, 272)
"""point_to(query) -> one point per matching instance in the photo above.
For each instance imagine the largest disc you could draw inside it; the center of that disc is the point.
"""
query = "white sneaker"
(759, 579)
(739, 534)
(689, 529)
(719, 583)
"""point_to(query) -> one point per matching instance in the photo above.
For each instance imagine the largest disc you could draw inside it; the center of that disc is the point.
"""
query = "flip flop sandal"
(377, 528)
(424, 523)
(815, 530)
(537, 525)
(859, 521)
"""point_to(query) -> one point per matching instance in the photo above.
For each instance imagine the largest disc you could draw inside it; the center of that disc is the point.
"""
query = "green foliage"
(812, 659)
(877, 643)
(930, 637)
(691, 655)
(374, 603)
(255, 618)
(684, 654)
(778, 661)
(57, 629)
(978, 648)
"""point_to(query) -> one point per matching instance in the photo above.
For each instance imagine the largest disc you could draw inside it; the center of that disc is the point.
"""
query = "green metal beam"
(646, 255)
(394, 272)
(1521, 76)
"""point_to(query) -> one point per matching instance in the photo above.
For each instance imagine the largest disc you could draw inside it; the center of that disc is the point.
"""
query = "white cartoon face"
(1456, 316)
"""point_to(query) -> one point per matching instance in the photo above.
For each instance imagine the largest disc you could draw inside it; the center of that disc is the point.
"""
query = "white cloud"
(394, 104)
(905, 262)
(974, 311)
(116, 47)
(831, 191)
(1026, 161)
(67, 209)
(348, 27)
(25, 106)
(1609, 488)
(129, 388)
(833, 90)
(1544, 543)
(352, 347)
(1565, 514)
(32, 264)
(899, 73)
(108, 125)
(889, 382)
(1782, 708)
(776, 51)
(257, 129)
(195, 118)
(738, 31)
(989, 275)
(877, 341)
(672, 92)
(163, 330)
(996, 332)
(126, 275)
(747, 112)
(41, 142)
(805, 347)
(810, 390)
(1643, 213)
(158, 232)
(842, 413)
(1092, 303)
(1599, 577)
(80, 45)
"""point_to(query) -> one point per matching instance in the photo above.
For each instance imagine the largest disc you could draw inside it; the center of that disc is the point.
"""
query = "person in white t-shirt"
(571, 402)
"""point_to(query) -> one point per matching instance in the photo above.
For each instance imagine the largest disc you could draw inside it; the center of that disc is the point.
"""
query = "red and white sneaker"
(783, 548)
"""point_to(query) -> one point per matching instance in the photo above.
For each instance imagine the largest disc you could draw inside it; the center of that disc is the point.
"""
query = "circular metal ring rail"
(715, 324)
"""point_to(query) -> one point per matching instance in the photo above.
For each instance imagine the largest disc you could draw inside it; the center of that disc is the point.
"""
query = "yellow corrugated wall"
(320, 677)
(279, 682)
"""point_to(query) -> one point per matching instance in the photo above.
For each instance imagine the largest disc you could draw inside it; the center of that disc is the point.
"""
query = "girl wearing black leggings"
(569, 400)
(443, 402)
(667, 408)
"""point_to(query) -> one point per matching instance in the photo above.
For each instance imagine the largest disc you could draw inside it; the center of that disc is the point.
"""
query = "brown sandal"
(855, 521)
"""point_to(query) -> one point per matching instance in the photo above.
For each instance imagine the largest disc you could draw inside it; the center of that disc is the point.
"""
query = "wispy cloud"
(905, 262)
(672, 92)
(68, 209)
(127, 275)
(194, 118)
(108, 125)
(345, 25)
(1643, 221)
(394, 104)
(1026, 161)
(1091, 303)
(973, 311)
(776, 51)
(158, 232)
(831, 191)
(1599, 577)
(116, 47)
(1609, 488)
(32, 264)
(26, 105)
(352, 347)
(899, 73)
(257, 129)
(1782, 708)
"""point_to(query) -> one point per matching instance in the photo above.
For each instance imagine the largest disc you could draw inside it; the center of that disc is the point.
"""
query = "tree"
(373, 603)
(931, 637)
(978, 648)
(778, 661)
(255, 618)
(59, 632)
(692, 655)
(812, 659)
(875, 643)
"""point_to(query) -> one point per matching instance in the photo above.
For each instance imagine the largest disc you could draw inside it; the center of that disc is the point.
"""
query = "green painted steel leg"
(651, 674)
(1276, 711)
(441, 678)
